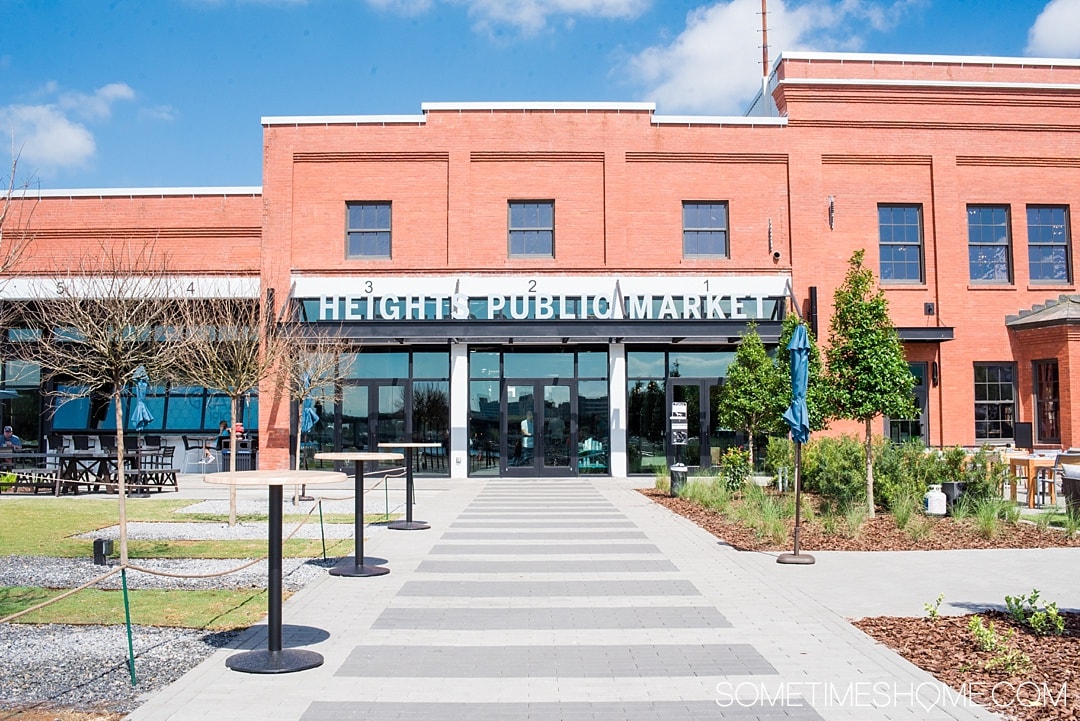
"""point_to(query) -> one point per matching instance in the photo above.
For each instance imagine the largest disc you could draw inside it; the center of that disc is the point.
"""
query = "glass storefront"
(538, 412)
(655, 380)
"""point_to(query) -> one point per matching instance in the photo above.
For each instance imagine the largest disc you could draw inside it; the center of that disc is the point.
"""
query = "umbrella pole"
(796, 557)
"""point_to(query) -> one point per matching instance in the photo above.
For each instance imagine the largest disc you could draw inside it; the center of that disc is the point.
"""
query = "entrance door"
(372, 413)
(539, 430)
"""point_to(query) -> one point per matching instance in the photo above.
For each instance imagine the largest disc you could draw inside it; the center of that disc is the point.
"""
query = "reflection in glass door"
(364, 430)
(538, 426)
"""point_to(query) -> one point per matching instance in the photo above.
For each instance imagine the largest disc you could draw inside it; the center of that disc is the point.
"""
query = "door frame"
(508, 431)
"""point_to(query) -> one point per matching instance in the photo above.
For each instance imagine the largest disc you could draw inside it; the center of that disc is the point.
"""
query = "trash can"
(678, 478)
(952, 490)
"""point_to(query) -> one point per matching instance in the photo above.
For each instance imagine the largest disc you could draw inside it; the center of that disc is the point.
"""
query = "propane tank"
(934, 501)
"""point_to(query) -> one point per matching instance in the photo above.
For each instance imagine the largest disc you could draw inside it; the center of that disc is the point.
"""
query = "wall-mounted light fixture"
(934, 373)
(832, 212)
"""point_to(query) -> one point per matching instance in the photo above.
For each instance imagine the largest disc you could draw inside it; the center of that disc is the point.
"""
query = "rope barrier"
(396, 472)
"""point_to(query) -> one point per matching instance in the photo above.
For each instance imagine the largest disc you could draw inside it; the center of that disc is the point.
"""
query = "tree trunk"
(750, 446)
(869, 472)
(233, 448)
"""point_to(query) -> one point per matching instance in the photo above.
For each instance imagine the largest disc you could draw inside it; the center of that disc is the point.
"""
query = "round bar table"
(274, 659)
(409, 524)
(355, 566)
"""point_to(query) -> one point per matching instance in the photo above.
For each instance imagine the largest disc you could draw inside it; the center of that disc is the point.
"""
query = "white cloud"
(1054, 33)
(529, 16)
(51, 135)
(98, 105)
(45, 138)
(158, 112)
(714, 65)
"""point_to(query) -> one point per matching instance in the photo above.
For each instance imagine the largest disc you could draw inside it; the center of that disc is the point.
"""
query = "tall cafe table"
(274, 659)
(409, 524)
(355, 566)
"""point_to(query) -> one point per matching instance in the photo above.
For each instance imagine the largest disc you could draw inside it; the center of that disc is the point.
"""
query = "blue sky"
(169, 93)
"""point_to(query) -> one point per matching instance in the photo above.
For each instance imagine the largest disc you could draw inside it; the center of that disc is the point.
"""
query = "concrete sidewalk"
(581, 599)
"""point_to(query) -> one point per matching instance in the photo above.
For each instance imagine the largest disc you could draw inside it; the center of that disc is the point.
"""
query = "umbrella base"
(801, 559)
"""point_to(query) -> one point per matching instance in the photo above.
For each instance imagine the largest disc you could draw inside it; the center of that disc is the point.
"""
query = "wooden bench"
(143, 480)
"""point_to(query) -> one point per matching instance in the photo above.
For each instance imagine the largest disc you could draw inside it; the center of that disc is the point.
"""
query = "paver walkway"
(565, 599)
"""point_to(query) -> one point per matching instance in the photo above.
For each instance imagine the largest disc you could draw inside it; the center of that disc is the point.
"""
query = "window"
(988, 243)
(532, 228)
(1047, 402)
(1048, 244)
(705, 229)
(995, 401)
(900, 243)
(369, 230)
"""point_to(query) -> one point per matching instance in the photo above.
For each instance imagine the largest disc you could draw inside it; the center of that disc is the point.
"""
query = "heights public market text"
(542, 307)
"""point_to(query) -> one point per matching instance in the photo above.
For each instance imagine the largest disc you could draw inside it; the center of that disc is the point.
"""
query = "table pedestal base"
(286, 660)
(408, 525)
(349, 567)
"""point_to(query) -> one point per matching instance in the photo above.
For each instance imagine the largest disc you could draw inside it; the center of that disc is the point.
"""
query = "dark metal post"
(356, 566)
(796, 557)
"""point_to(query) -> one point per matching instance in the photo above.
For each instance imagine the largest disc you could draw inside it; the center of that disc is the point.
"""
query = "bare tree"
(319, 360)
(232, 345)
(101, 321)
(17, 204)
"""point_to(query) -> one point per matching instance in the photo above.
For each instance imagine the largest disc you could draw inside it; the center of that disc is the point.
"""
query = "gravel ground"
(86, 667)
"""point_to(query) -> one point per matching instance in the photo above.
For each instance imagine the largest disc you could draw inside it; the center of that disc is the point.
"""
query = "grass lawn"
(48, 526)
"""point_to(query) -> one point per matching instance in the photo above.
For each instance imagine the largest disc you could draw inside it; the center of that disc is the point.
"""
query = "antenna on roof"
(764, 40)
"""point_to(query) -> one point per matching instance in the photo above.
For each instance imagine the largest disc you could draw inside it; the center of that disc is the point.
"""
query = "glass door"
(696, 450)
(372, 413)
(539, 429)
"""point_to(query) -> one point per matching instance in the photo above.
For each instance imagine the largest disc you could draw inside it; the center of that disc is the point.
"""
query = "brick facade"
(803, 191)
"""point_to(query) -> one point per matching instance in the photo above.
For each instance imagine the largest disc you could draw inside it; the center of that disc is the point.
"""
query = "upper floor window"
(900, 243)
(532, 228)
(705, 229)
(368, 231)
(1048, 243)
(989, 243)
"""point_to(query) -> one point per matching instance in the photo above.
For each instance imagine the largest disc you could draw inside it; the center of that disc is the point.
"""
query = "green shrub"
(983, 473)
(1025, 610)
(779, 454)
(735, 467)
(834, 467)
(902, 471)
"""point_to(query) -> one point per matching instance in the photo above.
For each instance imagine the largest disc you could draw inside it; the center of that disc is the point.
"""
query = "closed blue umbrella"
(798, 419)
(308, 416)
(140, 414)
(796, 415)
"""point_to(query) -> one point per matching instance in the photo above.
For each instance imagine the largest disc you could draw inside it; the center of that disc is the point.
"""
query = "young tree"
(868, 373)
(753, 397)
(817, 389)
(102, 321)
(318, 361)
(232, 345)
(17, 204)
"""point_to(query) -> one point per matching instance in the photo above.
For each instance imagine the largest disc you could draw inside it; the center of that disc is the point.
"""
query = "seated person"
(219, 442)
(10, 439)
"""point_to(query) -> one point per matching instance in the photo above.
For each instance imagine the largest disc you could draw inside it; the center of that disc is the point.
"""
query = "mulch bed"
(876, 534)
(944, 647)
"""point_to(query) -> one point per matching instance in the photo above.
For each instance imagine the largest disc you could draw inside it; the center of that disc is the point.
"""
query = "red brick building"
(533, 284)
